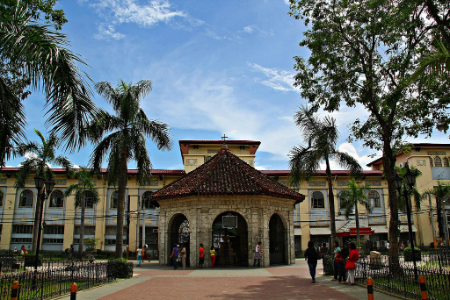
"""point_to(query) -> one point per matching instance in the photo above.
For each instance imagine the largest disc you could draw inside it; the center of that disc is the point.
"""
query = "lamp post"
(39, 183)
(398, 183)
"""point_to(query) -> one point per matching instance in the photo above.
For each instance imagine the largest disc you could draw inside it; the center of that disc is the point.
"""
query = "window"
(374, 199)
(56, 199)
(437, 162)
(22, 229)
(54, 229)
(88, 230)
(317, 200)
(445, 162)
(52, 241)
(112, 241)
(431, 162)
(114, 200)
(1, 198)
(88, 199)
(111, 230)
(26, 199)
(21, 240)
(147, 202)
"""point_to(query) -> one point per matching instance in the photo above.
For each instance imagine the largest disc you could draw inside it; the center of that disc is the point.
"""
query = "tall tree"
(33, 55)
(321, 137)
(364, 53)
(37, 162)
(442, 193)
(122, 138)
(350, 198)
(85, 187)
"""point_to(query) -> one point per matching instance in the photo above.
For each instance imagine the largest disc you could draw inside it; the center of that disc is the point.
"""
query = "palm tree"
(321, 137)
(37, 163)
(83, 188)
(34, 50)
(351, 197)
(441, 192)
(125, 139)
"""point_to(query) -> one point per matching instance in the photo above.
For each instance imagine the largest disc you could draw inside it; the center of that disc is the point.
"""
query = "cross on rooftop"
(224, 141)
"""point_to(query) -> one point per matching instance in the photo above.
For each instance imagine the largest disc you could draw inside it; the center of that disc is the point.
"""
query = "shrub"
(407, 252)
(120, 268)
(30, 258)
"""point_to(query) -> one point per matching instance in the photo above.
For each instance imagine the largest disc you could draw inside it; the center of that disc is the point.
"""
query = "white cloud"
(107, 32)
(280, 80)
(115, 12)
(349, 149)
(253, 28)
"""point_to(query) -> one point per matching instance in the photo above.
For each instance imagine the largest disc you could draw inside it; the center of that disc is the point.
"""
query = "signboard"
(362, 231)
(229, 221)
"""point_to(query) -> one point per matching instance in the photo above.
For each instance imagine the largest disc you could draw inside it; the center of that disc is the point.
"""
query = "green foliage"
(120, 268)
(90, 243)
(407, 253)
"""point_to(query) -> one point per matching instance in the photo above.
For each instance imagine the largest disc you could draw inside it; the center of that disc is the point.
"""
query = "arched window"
(114, 199)
(437, 162)
(88, 199)
(147, 203)
(431, 162)
(1, 197)
(317, 200)
(26, 199)
(56, 199)
(374, 199)
(445, 162)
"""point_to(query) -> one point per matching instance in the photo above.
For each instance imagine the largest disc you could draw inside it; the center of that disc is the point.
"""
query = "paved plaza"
(153, 281)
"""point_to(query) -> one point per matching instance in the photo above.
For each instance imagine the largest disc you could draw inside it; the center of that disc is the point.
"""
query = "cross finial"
(224, 141)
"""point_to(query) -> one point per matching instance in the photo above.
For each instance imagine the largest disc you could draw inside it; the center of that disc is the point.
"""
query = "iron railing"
(55, 278)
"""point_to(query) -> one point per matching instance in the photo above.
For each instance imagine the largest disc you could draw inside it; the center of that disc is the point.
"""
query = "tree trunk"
(358, 237)
(80, 244)
(389, 172)
(37, 215)
(121, 205)
(439, 216)
(331, 203)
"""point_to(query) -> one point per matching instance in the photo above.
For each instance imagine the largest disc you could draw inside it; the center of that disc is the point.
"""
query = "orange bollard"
(435, 243)
(423, 288)
(15, 290)
(73, 291)
(370, 288)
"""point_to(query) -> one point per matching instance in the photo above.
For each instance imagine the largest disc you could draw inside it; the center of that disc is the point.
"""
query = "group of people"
(141, 255)
(177, 254)
(343, 259)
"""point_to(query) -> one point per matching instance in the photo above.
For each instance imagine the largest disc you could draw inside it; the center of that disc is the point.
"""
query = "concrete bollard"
(73, 291)
(370, 288)
(423, 288)
(15, 290)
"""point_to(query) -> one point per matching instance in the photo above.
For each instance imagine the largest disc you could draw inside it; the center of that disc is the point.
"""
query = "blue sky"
(216, 67)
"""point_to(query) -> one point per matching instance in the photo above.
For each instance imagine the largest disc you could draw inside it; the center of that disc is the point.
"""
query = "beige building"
(310, 218)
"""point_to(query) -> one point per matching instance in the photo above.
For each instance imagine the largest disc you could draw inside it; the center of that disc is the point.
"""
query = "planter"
(409, 256)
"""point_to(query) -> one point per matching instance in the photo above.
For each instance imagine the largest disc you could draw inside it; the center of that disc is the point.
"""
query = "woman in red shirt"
(350, 265)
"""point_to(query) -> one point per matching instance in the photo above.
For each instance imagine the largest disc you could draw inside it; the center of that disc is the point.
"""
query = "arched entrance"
(230, 237)
(179, 233)
(277, 241)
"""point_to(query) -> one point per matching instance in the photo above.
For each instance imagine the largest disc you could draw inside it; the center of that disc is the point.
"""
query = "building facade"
(310, 218)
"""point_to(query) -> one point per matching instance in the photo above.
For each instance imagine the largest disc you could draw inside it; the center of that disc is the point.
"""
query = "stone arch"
(178, 232)
(278, 240)
(232, 241)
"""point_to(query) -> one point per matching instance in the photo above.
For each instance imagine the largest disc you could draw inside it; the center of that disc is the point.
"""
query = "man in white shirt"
(139, 256)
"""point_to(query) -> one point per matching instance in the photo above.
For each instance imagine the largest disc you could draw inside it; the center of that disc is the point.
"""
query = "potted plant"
(90, 248)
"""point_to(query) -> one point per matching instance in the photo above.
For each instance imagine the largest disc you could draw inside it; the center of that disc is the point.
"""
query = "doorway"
(179, 233)
(277, 241)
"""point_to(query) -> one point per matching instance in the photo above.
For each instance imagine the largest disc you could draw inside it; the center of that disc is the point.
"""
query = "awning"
(297, 231)
(320, 231)
(384, 229)
(404, 228)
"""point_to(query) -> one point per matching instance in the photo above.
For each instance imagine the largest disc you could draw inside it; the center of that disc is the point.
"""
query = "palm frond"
(348, 162)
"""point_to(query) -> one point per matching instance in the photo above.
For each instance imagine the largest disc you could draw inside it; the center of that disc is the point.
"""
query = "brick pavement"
(284, 282)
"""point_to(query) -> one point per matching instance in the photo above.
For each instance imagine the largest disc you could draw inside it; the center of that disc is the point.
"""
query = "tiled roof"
(226, 174)
(129, 171)
(321, 172)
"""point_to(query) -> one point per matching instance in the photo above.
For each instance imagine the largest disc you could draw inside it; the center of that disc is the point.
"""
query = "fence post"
(370, 288)
(15, 290)
(73, 291)
(423, 288)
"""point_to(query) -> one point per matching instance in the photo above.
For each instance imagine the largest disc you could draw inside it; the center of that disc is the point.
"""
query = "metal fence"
(55, 278)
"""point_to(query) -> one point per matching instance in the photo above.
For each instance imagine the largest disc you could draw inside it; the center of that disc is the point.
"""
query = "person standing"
(183, 257)
(323, 254)
(311, 257)
(70, 254)
(213, 256)
(257, 255)
(174, 256)
(336, 250)
(139, 256)
(201, 255)
(350, 265)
